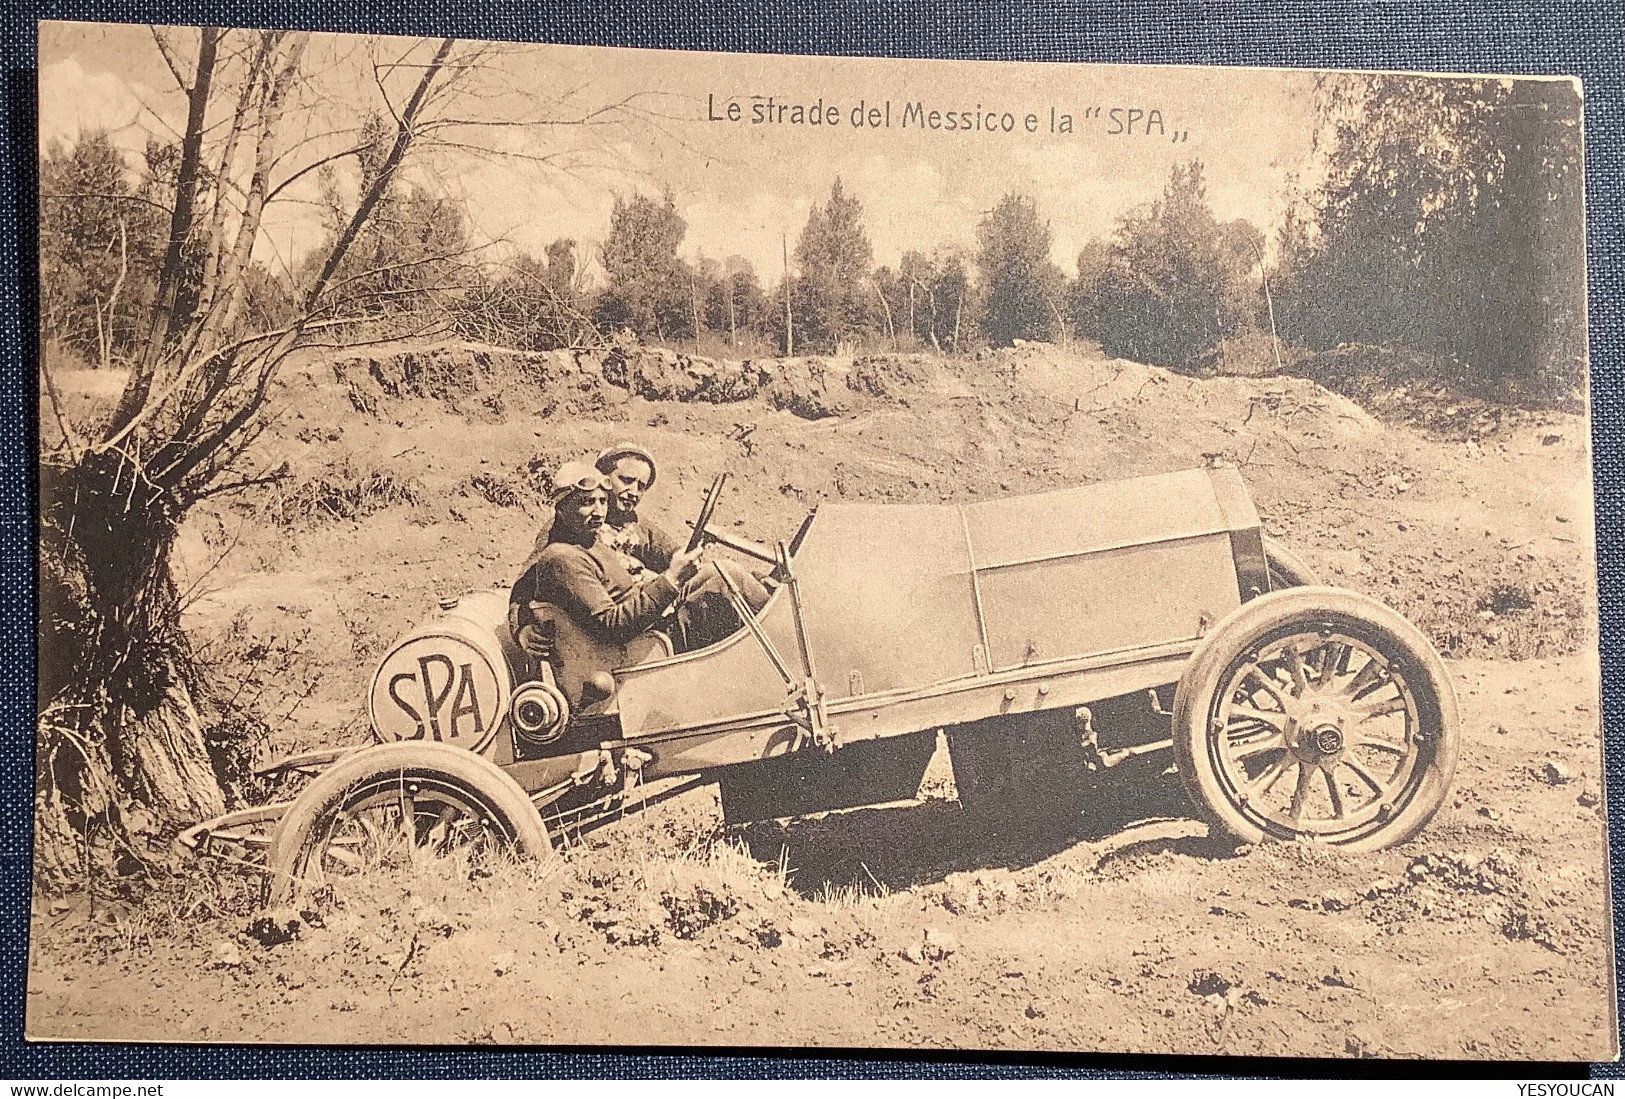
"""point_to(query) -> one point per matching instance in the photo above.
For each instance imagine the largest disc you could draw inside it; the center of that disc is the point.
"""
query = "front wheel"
(1316, 714)
(392, 804)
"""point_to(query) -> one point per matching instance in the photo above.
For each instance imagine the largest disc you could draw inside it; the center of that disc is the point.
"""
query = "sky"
(660, 119)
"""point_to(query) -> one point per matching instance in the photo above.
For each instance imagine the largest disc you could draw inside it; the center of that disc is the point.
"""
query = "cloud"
(753, 226)
(744, 189)
(74, 101)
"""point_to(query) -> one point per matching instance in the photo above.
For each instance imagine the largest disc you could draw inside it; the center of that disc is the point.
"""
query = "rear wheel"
(1316, 714)
(396, 803)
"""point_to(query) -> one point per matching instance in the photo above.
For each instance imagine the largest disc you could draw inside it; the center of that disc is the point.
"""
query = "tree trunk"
(120, 727)
(162, 319)
(126, 713)
(224, 296)
(694, 306)
(891, 330)
(789, 321)
(173, 773)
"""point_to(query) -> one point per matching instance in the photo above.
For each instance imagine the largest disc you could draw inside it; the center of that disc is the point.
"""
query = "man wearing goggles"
(579, 572)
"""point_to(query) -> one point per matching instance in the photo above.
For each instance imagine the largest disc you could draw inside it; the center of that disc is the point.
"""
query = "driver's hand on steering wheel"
(685, 564)
(535, 642)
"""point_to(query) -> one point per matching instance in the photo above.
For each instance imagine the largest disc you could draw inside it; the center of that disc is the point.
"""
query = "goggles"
(574, 477)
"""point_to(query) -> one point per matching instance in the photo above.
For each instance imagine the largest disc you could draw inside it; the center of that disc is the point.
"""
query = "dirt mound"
(483, 384)
(808, 388)
(1439, 887)
(486, 384)
(890, 376)
(1412, 389)
(1454, 886)
(1484, 543)
(661, 374)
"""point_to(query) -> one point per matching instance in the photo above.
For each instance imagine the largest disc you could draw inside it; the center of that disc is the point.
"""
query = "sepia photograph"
(554, 545)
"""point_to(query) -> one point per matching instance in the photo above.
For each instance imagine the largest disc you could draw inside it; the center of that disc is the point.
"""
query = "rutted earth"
(411, 475)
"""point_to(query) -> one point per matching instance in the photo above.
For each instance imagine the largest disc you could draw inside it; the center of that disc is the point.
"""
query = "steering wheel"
(707, 509)
(696, 539)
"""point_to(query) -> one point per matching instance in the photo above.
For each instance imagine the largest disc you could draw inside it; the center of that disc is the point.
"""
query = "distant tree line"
(1447, 220)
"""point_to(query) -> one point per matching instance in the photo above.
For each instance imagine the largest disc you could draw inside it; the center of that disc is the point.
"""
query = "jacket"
(594, 588)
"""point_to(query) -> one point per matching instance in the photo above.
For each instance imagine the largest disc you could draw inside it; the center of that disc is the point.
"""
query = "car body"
(894, 619)
(891, 622)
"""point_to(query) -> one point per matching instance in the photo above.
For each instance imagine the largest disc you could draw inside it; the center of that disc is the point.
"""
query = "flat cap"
(610, 455)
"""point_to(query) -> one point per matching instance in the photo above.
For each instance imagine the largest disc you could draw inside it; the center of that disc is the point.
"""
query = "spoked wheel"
(1317, 714)
(394, 805)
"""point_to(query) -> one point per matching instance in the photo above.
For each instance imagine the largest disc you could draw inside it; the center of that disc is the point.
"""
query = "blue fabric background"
(1578, 37)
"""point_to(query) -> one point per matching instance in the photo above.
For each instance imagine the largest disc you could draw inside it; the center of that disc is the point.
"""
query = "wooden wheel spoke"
(1300, 673)
(1242, 753)
(1369, 677)
(346, 857)
(1300, 794)
(409, 816)
(339, 824)
(1383, 708)
(443, 827)
(1275, 719)
(347, 840)
(1362, 774)
(1268, 684)
(1268, 777)
(1333, 792)
(1331, 656)
(1379, 744)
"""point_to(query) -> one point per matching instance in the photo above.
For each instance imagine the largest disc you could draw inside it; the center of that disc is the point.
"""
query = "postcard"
(549, 545)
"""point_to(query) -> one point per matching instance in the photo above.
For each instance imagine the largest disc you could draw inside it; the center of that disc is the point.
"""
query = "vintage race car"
(1300, 712)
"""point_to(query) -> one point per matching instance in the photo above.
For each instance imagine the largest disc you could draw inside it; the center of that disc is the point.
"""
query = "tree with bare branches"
(533, 303)
(127, 718)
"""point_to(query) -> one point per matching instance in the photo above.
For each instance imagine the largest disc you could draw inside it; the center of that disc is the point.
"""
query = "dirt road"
(913, 927)
(916, 925)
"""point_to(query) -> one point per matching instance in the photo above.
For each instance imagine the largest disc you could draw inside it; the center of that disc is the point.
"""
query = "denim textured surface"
(1579, 37)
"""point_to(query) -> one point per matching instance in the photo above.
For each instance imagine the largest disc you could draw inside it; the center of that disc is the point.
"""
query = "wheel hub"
(1328, 739)
(1316, 731)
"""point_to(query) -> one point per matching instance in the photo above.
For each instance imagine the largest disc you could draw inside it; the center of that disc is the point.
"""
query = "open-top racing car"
(1300, 712)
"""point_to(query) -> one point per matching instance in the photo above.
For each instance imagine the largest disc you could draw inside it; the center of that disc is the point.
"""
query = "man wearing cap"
(629, 471)
(705, 614)
(577, 570)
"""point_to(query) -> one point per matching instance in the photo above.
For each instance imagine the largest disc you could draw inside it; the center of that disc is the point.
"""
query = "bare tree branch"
(108, 197)
(386, 172)
(235, 263)
(169, 59)
(313, 166)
